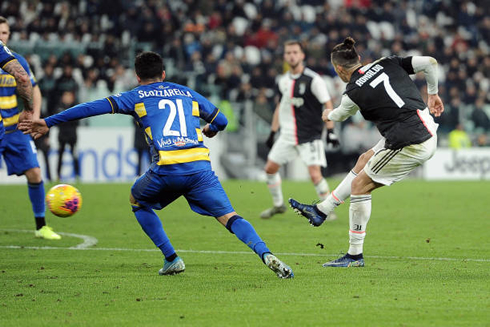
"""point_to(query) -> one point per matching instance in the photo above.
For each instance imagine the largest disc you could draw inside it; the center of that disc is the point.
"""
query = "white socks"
(338, 195)
(322, 189)
(274, 185)
(359, 214)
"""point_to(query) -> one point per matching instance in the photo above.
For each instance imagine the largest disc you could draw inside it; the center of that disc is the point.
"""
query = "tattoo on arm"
(24, 87)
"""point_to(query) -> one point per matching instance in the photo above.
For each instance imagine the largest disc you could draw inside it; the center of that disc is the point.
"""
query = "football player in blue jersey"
(170, 117)
(9, 64)
(19, 151)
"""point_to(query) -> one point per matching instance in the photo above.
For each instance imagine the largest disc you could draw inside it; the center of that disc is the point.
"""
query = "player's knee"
(362, 160)
(33, 175)
(271, 168)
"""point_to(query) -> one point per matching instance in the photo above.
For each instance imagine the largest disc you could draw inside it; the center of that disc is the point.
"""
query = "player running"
(304, 96)
(170, 117)
(384, 93)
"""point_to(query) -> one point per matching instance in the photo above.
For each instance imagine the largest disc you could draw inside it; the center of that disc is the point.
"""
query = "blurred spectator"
(479, 116)
(67, 134)
(237, 40)
(459, 139)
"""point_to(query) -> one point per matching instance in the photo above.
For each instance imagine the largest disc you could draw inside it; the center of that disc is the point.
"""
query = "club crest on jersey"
(302, 88)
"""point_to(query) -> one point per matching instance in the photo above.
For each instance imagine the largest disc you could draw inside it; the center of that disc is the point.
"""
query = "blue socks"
(152, 226)
(36, 195)
(247, 234)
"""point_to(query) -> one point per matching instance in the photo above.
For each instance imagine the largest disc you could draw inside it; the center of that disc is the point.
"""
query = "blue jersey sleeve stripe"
(114, 106)
(5, 62)
(214, 115)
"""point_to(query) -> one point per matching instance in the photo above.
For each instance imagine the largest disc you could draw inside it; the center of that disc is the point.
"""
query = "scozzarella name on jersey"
(164, 93)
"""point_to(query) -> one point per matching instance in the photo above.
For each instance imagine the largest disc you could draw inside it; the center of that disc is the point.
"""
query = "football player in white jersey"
(297, 117)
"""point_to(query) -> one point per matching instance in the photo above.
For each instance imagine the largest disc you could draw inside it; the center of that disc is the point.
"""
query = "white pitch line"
(88, 241)
(235, 252)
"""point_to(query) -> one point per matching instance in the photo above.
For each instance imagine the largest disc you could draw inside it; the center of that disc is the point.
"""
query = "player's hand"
(436, 107)
(36, 128)
(208, 132)
(332, 138)
(325, 114)
(270, 140)
(25, 115)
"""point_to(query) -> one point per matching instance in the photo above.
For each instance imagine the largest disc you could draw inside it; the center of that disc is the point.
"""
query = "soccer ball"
(63, 200)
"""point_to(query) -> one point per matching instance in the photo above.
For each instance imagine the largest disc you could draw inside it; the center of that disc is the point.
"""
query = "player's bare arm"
(24, 87)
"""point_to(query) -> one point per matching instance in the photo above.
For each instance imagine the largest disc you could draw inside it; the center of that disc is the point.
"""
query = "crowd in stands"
(232, 49)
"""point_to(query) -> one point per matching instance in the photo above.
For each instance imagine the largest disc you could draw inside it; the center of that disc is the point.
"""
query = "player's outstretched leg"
(311, 212)
(152, 226)
(245, 232)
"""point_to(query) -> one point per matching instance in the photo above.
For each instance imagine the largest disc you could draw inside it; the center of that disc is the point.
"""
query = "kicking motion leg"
(317, 214)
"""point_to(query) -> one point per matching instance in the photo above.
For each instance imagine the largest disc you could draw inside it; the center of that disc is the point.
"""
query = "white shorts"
(388, 166)
(311, 153)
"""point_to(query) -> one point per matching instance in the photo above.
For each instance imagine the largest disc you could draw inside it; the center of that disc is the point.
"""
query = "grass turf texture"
(122, 287)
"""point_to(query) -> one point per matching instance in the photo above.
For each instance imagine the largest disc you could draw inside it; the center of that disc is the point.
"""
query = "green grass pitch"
(427, 259)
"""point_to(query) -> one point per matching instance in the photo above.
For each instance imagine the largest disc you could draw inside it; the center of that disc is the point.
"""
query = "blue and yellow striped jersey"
(8, 96)
(170, 116)
(6, 56)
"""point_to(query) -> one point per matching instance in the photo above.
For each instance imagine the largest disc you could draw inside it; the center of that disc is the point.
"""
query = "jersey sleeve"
(428, 66)
(346, 109)
(26, 67)
(319, 89)
(210, 113)
(404, 62)
(122, 103)
(83, 110)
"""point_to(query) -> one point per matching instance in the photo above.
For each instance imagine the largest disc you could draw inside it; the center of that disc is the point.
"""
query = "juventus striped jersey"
(384, 94)
(303, 99)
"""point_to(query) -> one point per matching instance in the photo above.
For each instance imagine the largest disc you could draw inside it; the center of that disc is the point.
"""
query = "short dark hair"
(294, 42)
(3, 20)
(345, 53)
(148, 65)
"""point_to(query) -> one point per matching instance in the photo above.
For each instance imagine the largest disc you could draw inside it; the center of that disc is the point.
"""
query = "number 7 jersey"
(385, 94)
(170, 117)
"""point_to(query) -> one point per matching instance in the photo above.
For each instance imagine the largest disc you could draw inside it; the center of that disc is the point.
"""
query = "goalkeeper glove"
(332, 138)
(270, 140)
